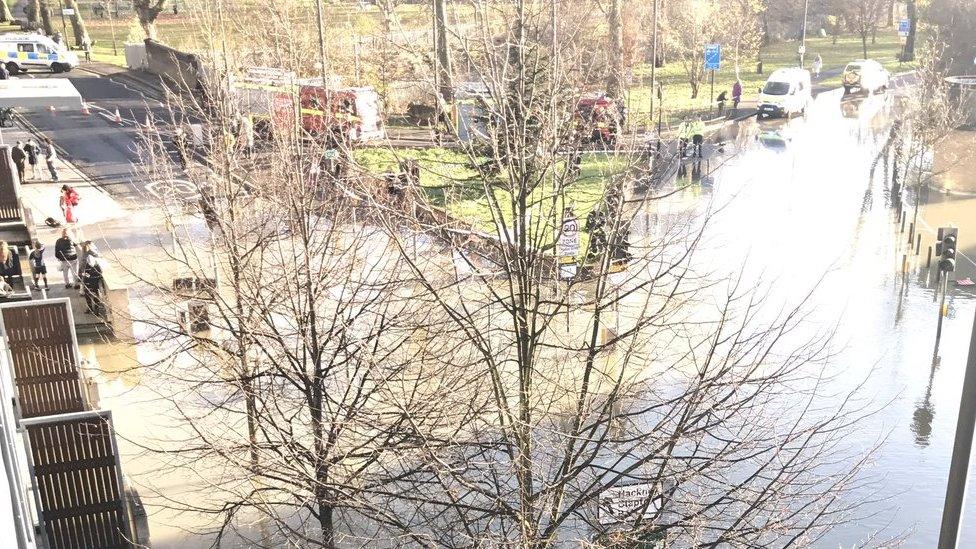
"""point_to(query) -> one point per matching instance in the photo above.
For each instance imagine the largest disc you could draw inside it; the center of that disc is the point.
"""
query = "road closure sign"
(713, 57)
(627, 503)
(568, 243)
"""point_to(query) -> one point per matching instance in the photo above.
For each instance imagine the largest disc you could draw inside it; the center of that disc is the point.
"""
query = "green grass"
(450, 182)
(678, 102)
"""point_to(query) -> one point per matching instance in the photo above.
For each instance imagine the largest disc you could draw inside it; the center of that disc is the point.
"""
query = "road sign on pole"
(568, 243)
(903, 27)
(713, 57)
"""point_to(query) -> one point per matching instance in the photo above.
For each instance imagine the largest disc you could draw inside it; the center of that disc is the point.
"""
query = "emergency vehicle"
(598, 118)
(30, 51)
(271, 96)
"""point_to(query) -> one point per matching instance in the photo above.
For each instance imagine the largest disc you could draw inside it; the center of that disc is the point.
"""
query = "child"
(37, 266)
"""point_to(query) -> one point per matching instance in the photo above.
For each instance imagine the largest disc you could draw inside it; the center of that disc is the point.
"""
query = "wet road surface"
(798, 208)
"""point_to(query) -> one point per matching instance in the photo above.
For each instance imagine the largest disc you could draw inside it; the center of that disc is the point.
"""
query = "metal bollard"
(904, 263)
(902, 221)
(918, 243)
(928, 259)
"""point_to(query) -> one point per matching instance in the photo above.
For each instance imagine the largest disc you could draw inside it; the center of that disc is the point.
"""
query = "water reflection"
(924, 412)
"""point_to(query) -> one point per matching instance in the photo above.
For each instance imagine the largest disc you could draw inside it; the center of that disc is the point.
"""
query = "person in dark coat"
(33, 151)
(91, 278)
(20, 158)
(66, 253)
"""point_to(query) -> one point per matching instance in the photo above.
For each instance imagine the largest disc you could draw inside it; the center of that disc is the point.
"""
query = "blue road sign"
(713, 57)
(903, 27)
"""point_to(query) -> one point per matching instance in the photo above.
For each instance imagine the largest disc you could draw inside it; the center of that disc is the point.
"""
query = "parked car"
(786, 92)
(865, 75)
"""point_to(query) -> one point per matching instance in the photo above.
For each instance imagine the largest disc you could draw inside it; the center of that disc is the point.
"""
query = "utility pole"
(961, 449)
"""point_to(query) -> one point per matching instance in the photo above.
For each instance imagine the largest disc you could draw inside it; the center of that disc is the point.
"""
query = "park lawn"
(678, 102)
(450, 182)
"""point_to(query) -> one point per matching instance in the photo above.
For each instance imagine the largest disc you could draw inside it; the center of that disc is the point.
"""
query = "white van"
(786, 92)
(21, 52)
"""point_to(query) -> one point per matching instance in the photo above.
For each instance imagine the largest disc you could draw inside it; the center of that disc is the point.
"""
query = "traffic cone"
(118, 116)
(84, 109)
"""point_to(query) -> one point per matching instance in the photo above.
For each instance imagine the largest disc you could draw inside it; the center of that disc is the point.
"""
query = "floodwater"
(796, 207)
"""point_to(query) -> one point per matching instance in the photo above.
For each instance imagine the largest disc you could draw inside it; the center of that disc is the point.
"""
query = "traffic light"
(945, 248)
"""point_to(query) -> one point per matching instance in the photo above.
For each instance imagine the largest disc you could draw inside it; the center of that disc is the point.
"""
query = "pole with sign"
(713, 60)
(567, 246)
(904, 27)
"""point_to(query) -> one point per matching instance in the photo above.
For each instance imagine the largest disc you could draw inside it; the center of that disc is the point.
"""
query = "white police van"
(21, 52)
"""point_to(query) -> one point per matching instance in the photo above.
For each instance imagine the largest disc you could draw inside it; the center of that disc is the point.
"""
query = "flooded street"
(797, 211)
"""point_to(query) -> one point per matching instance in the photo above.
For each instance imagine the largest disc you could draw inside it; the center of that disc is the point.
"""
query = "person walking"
(91, 277)
(66, 252)
(51, 156)
(86, 45)
(723, 97)
(817, 66)
(68, 202)
(37, 265)
(697, 136)
(33, 151)
(683, 135)
(247, 129)
(4, 73)
(20, 159)
(736, 95)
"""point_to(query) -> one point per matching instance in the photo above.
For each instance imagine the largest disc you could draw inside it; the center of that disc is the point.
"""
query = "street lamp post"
(803, 32)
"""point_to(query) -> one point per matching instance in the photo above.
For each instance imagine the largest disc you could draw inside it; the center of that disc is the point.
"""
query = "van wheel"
(57, 68)
(847, 90)
(13, 69)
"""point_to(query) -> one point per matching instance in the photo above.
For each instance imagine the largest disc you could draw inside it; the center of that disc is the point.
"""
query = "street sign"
(903, 27)
(67, 11)
(802, 49)
(568, 244)
(627, 503)
(330, 154)
(713, 57)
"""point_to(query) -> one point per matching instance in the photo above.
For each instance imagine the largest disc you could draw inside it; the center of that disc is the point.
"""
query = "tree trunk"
(694, 89)
(891, 13)
(909, 54)
(33, 11)
(864, 43)
(443, 53)
(77, 23)
(5, 14)
(45, 14)
(616, 53)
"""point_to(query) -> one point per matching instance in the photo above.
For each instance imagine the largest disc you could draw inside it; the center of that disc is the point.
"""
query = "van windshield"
(853, 68)
(776, 88)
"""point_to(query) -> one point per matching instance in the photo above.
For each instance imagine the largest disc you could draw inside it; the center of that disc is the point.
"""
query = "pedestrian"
(722, 98)
(817, 66)
(4, 73)
(33, 151)
(86, 45)
(69, 202)
(247, 129)
(180, 143)
(37, 265)
(20, 159)
(697, 136)
(8, 265)
(91, 277)
(66, 252)
(50, 156)
(58, 39)
(682, 138)
(736, 95)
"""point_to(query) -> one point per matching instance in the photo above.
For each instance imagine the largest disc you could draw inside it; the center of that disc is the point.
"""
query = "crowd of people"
(79, 261)
(30, 153)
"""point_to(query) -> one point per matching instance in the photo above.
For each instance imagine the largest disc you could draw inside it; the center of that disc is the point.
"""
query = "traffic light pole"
(961, 449)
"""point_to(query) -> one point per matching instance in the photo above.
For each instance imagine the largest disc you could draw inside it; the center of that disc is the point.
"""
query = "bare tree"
(5, 14)
(374, 370)
(147, 11)
(77, 24)
(864, 16)
(615, 72)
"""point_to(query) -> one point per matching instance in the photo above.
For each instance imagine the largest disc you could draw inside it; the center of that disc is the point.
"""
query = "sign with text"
(67, 11)
(568, 244)
(903, 27)
(713, 57)
(627, 503)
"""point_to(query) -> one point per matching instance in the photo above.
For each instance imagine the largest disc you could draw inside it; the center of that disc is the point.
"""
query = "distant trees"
(864, 17)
